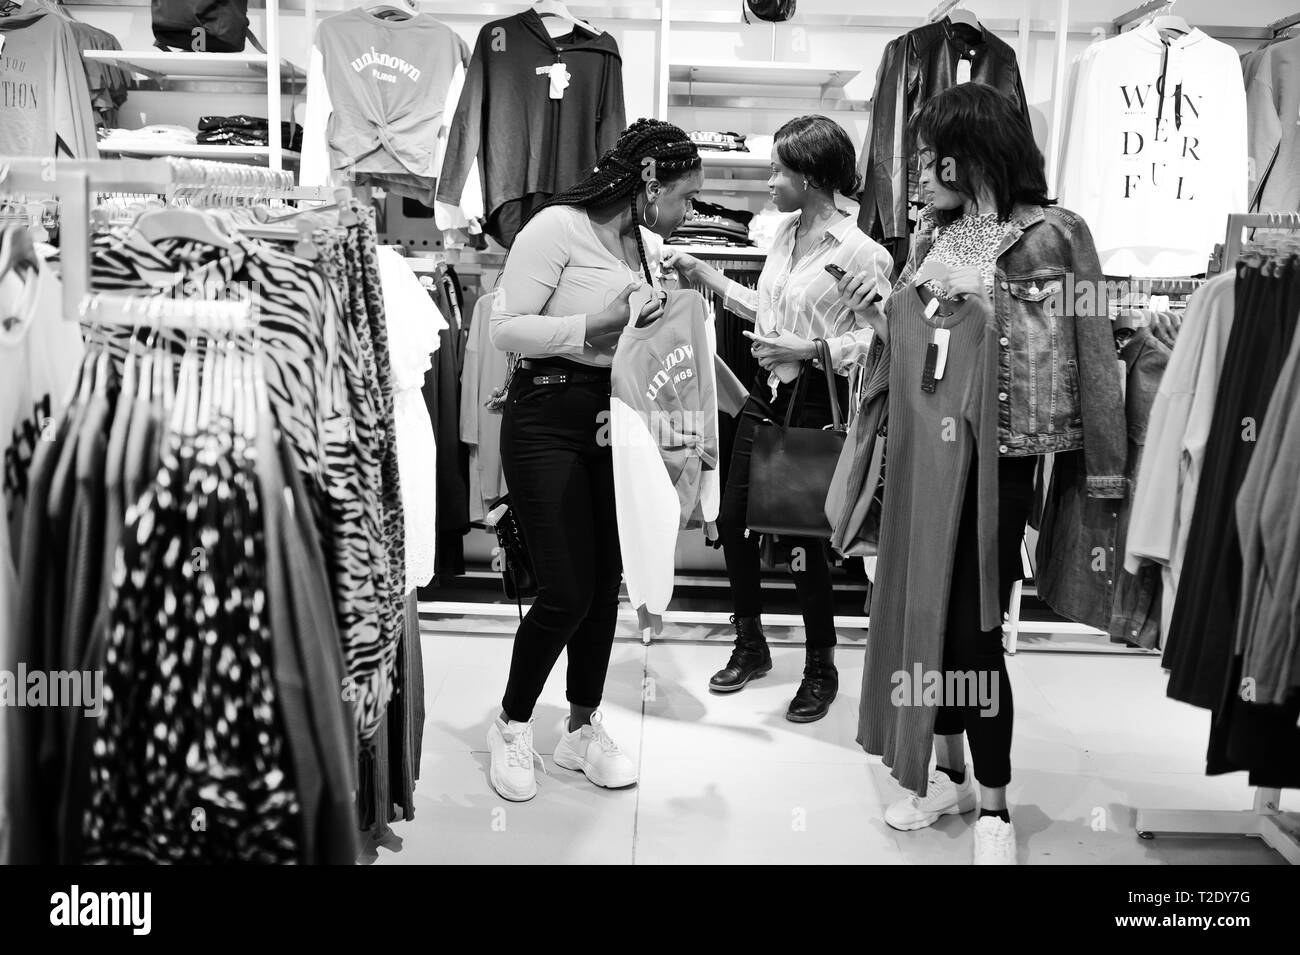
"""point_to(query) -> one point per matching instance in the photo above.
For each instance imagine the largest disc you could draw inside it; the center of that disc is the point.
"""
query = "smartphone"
(837, 273)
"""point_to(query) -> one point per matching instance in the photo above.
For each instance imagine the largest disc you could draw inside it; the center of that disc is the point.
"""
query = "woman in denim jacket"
(988, 219)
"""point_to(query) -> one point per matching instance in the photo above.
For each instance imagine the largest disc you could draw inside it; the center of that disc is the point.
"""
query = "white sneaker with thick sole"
(513, 774)
(589, 749)
(995, 842)
(942, 797)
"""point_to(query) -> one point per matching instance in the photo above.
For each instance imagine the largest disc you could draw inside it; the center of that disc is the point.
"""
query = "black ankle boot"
(821, 681)
(749, 660)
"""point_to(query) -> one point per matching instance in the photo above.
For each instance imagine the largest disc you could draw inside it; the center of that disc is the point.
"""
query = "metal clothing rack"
(1265, 820)
(75, 182)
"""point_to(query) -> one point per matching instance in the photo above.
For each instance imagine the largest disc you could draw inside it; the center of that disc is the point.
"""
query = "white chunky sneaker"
(942, 797)
(591, 750)
(995, 842)
(513, 775)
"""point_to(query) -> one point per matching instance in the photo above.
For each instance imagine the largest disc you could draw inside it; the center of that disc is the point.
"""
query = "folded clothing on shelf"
(714, 224)
(160, 135)
(244, 130)
(719, 142)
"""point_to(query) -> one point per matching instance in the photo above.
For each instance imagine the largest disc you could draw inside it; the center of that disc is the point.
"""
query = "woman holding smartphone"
(794, 304)
(1023, 373)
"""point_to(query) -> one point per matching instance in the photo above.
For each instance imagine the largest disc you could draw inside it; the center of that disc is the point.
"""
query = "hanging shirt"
(1155, 156)
(1273, 123)
(44, 100)
(380, 95)
(801, 298)
(414, 324)
(40, 355)
(528, 142)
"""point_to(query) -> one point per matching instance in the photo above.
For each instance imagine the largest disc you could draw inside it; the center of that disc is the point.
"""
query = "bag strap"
(248, 35)
(824, 356)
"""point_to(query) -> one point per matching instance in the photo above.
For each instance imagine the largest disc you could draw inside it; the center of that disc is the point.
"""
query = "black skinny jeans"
(969, 650)
(559, 468)
(744, 568)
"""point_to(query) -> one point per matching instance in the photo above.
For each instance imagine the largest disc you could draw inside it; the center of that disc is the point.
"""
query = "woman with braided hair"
(796, 302)
(561, 305)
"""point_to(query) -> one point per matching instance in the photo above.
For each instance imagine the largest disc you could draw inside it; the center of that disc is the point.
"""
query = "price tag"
(941, 337)
(963, 70)
(558, 75)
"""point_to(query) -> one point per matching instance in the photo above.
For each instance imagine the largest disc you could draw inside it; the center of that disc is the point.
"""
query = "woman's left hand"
(964, 280)
(781, 349)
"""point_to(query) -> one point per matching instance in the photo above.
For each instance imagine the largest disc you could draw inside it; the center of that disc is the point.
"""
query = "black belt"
(563, 373)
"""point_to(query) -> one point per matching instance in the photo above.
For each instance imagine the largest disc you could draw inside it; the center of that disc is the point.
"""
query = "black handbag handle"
(824, 354)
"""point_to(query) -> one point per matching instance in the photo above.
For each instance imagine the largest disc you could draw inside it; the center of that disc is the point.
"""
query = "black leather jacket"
(914, 68)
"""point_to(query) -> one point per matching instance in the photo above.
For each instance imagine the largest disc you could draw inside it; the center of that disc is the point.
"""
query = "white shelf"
(157, 63)
(761, 73)
(204, 151)
(720, 252)
(735, 160)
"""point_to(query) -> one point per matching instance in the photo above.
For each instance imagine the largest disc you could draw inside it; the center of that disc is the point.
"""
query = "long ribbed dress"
(930, 438)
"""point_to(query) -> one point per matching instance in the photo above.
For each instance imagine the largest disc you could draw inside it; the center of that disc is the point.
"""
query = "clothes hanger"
(1164, 19)
(400, 10)
(962, 15)
(17, 250)
(17, 254)
(554, 8)
(190, 225)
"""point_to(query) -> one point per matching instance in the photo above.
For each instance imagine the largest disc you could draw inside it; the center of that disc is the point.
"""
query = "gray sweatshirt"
(388, 83)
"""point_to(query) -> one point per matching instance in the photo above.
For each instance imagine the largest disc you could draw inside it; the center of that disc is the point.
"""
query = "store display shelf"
(157, 64)
(721, 252)
(762, 73)
(228, 153)
(736, 160)
(691, 100)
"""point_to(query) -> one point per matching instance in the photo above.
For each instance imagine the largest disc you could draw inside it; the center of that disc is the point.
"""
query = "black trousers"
(744, 567)
(559, 467)
(967, 649)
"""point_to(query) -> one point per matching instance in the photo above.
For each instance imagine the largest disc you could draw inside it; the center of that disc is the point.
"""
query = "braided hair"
(648, 149)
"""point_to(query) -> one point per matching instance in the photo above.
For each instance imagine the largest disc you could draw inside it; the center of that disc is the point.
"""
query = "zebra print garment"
(320, 398)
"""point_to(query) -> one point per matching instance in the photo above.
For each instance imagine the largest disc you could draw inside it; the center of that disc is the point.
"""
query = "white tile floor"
(726, 779)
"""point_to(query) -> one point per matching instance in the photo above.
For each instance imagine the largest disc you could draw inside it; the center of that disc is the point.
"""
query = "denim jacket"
(1058, 380)
(1080, 572)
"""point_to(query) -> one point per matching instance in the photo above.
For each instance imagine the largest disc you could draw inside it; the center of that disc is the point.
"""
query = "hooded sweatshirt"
(1155, 155)
(528, 142)
(663, 428)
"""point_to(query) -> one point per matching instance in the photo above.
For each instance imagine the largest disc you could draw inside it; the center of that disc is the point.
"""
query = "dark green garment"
(931, 442)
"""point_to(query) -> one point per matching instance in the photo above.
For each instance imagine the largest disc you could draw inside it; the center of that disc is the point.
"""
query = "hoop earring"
(645, 218)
